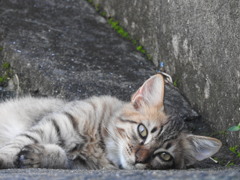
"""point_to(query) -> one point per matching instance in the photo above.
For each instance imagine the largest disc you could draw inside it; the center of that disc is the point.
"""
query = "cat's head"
(145, 137)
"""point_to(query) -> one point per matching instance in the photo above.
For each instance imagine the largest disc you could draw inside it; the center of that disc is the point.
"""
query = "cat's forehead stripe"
(127, 120)
(160, 131)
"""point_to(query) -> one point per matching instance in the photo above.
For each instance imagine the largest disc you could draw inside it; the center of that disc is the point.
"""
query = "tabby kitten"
(99, 132)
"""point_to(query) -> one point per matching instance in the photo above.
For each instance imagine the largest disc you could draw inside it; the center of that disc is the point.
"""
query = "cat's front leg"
(8, 152)
(7, 157)
(42, 156)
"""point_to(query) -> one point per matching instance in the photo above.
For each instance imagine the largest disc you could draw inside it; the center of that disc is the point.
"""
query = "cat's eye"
(142, 131)
(165, 156)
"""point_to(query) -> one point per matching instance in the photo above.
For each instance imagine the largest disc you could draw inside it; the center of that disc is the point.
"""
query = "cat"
(99, 133)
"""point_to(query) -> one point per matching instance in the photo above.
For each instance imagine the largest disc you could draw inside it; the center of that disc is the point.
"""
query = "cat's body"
(70, 125)
(99, 132)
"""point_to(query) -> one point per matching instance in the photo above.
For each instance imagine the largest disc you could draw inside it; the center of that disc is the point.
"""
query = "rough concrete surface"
(58, 50)
(123, 174)
(199, 41)
(65, 49)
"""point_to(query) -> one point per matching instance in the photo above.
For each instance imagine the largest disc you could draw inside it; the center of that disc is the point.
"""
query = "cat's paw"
(30, 156)
(6, 161)
(1, 163)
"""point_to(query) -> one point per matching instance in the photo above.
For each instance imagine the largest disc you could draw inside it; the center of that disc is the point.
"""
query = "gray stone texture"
(39, 174)
(199, 41)
(67, 50)
(64, 48)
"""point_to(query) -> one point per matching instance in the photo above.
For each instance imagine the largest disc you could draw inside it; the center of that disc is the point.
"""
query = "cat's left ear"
(151, 93)
(200, 148)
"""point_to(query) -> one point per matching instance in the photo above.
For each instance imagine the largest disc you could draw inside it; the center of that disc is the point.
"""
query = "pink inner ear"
(137, 101)
(151, 93)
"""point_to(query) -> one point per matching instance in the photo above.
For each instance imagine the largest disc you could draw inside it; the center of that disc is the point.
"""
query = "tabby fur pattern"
(98, 133)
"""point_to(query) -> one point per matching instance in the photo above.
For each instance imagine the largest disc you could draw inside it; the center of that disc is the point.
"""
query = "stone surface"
(213, 174)
(75, 55)
(199, 41)
(65, 49)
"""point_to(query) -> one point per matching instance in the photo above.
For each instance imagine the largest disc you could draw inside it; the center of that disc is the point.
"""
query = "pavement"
(39, 174)
(63, 48)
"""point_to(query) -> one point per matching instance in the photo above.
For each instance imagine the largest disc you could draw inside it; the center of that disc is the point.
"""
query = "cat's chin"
(140, 166)
(136, 166)
(128, 165)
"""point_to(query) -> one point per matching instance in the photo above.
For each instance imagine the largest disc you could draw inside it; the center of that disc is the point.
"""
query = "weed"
(235, 128)
(5, 73)
(115, 25)
(235, 150)
(141, 49)
(6, 65)
(175, 83)
(103, 13)
(119, 29)
(229, 164)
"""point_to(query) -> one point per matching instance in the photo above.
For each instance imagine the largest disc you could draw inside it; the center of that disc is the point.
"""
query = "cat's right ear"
(150, 94)
(200, 148)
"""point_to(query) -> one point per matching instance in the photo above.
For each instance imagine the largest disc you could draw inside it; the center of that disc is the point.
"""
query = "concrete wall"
(199, 41)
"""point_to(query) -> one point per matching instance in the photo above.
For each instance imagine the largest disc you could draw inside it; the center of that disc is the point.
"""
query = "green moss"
(6, 65)
(122, 32)
(119, 29)
(115, 25)
(229, 164)
(2, 79)
(235, 150)
(141, 49)
(103, 13)
(97, 7)
(5, 73)
(90, 1)
(175, 82)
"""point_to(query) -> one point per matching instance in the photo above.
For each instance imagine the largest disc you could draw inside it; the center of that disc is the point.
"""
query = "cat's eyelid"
(160, 150)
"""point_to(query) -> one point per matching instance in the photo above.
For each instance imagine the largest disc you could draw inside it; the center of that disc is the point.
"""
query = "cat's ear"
(201, 147)
(151, 93)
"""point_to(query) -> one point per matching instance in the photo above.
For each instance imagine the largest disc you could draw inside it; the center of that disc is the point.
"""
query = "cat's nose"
(142, 155)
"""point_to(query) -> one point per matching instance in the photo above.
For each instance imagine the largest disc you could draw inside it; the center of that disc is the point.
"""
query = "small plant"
(141, 49)
(235, 128)
(119, 29)
(115, 25)
(235, 150)
(6, 65)
(175, 83)
(229, 164)
(5, 73)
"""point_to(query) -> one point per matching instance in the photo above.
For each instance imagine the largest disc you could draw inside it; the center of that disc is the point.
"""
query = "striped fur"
(98, 133)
